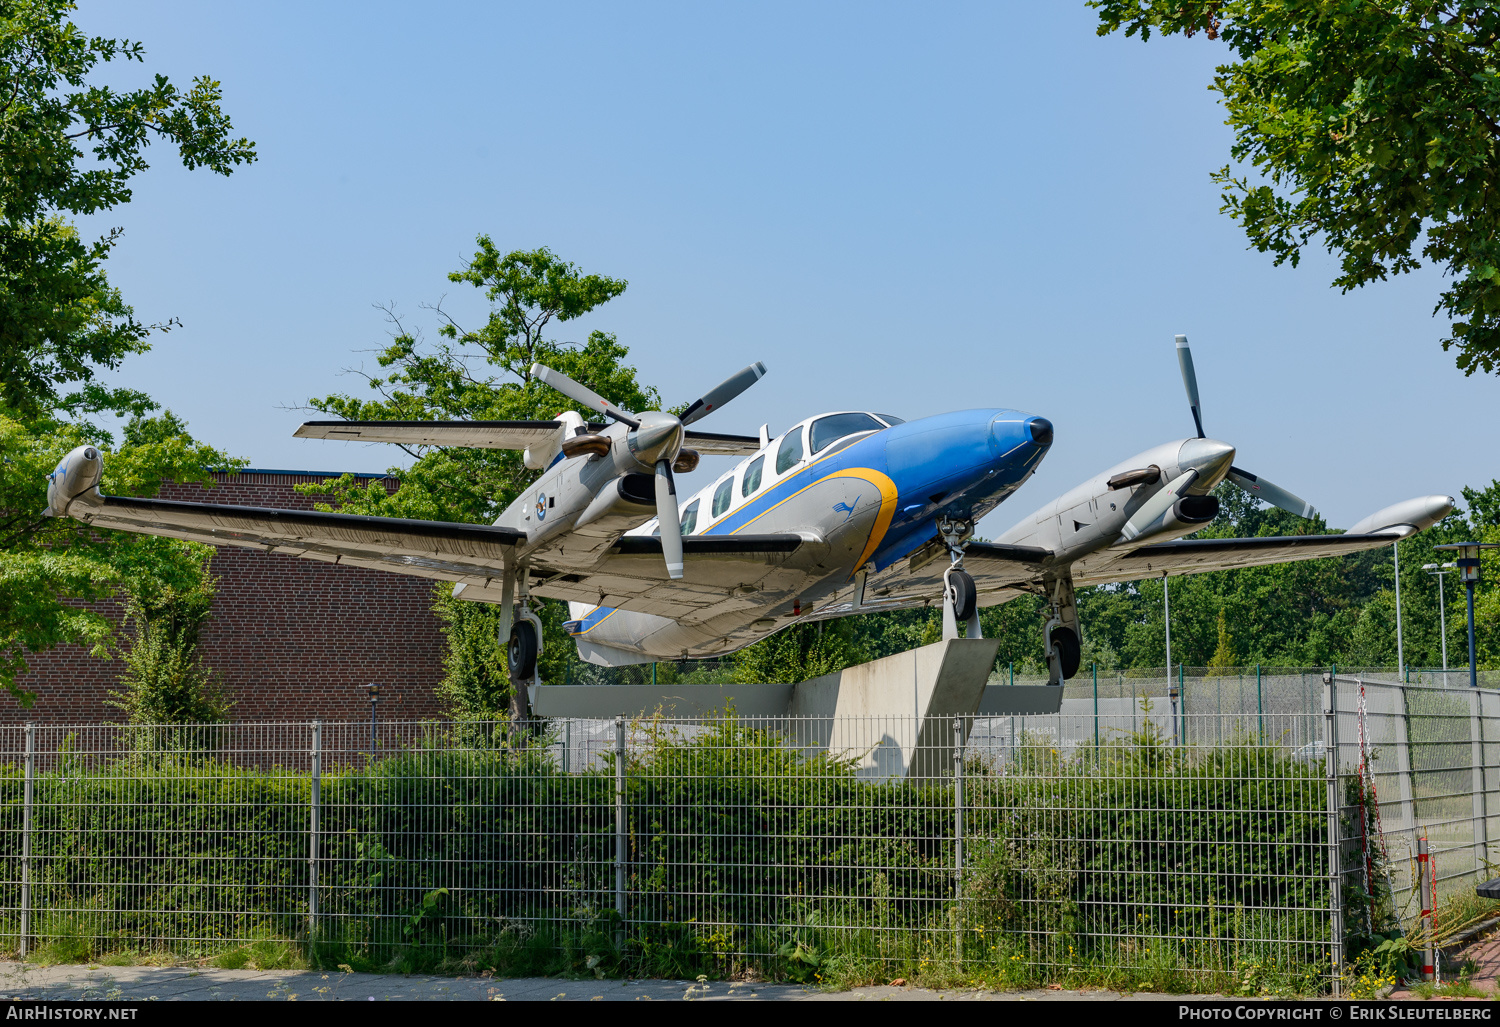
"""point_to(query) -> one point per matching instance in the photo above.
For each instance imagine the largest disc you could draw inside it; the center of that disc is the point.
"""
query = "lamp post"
(1400, 651)
(1469, 574)
(374, 691)
(1440, 571)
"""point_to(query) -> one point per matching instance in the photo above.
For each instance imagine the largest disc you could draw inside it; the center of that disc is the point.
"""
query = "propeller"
(582, 394)
(1255, 485)
(723, 393)
(656, 440)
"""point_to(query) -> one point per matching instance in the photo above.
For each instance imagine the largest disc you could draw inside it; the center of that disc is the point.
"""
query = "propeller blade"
(670, 520)
(724, 392)
(1190, 380)
(1273, 494)
(588, 397)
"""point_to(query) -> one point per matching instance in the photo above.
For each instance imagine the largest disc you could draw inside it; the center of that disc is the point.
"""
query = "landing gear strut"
(960, 598)
(520, 631)
(1061, 634)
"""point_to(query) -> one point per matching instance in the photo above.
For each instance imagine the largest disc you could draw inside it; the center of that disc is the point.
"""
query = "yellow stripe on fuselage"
(888, 498)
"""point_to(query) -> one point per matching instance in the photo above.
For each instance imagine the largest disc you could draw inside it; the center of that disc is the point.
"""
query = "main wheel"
(1066, 641)
(962, 593)
(520, 655)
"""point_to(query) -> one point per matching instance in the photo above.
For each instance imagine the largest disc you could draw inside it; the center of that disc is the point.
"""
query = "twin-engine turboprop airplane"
(843, 513)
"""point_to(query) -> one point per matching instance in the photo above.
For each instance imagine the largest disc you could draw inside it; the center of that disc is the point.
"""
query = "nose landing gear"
(960, 597)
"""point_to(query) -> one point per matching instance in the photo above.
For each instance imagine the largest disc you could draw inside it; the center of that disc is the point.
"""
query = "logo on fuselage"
(541, 506)
(848, 508)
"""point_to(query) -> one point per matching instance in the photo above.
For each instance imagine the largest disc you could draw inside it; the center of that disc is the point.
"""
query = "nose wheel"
(960, 596)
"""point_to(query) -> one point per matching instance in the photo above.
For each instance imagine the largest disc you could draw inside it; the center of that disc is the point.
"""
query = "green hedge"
(752, 844)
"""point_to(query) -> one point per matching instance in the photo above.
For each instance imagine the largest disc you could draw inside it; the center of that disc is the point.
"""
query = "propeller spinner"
(1255, 485)
(655, 440)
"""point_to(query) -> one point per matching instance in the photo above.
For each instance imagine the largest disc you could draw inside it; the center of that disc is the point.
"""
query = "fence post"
(26, 825)
(957, 837)
(1406, 767)
(1335, 842)
(620, 839)
(316, 804)
(1096, 706)
(1260, 711)
(1476, 758)
(1424, 903)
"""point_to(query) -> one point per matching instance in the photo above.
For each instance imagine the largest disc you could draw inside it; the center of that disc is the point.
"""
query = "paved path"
(22, 981)
(1485, 953)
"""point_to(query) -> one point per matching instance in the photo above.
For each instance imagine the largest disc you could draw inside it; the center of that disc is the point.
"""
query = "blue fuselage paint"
(959, 464)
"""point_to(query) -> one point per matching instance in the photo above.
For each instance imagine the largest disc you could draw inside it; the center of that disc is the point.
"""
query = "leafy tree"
(165, 680)
(50, 567)
(484, 373)
(800, 652)
(68, 147)
(1372, 128)
(1223, 658)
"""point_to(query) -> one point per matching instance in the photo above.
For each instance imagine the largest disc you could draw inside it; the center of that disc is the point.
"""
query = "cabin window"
(722, 495)
(790, 451)
(690, 518)
(827, 430)
(752, 476)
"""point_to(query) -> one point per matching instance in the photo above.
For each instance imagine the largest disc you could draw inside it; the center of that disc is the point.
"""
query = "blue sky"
(906, 208)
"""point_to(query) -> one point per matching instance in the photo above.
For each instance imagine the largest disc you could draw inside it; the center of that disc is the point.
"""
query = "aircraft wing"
(721, 574)
(469, 434)
(495, 435)
(1196, 556)
(427, 549)
(712, 444)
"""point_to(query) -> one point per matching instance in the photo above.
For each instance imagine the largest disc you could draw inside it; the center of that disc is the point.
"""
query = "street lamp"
(1440, 571)
(374, 691)
(1468, 573)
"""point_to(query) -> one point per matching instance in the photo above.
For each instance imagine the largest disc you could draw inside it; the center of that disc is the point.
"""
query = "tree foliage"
(481, 374)
(1371, 127)
(69, 147)
(484, 374)
(165, 680)
(50, 567)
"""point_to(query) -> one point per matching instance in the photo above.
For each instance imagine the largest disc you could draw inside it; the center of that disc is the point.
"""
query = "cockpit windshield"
(828, 430)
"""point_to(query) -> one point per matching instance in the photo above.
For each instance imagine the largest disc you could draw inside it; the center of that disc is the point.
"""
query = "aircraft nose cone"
(1209, 457)
(1040, 430)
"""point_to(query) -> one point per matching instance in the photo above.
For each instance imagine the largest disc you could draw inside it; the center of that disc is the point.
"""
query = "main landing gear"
(960, 597)
(520, 631)
(1061, 634)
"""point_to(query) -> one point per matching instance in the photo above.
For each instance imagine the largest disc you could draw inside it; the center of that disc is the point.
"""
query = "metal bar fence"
(1253, 830)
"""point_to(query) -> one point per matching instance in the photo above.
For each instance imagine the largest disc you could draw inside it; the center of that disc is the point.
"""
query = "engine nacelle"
(627, 502)
(1186, 514)
(78, 473)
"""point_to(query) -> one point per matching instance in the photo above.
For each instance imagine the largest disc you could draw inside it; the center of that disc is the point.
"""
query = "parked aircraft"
(843, 513)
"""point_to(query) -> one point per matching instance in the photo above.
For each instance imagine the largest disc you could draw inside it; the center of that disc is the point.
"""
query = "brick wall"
(292, 639)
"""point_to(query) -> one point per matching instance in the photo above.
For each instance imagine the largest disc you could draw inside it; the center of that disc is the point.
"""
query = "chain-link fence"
(1191, 823)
